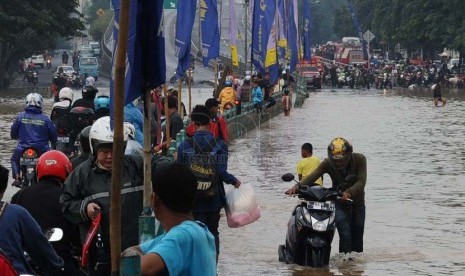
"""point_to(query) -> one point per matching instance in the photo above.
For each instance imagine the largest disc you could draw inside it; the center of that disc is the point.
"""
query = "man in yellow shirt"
(308, 163)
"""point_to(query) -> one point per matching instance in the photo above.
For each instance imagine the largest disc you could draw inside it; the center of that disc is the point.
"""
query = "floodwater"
(415, 196)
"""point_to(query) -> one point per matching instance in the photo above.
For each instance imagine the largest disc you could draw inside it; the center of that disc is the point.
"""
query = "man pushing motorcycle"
(350, 218)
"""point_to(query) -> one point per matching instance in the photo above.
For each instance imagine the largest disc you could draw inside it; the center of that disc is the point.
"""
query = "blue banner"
(210, 30)
(145, 57)
(292, 37)
(307, 19)
(184, 25)
(263, 18)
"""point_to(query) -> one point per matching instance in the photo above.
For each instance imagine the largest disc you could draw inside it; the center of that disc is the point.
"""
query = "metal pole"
(189, 88)
(246, 48)
(167, 116)
(117, 166)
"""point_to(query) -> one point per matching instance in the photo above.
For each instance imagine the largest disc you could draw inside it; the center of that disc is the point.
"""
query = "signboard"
(368, 36)
(170, 4)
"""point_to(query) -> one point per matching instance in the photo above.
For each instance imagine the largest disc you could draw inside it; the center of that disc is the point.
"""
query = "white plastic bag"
(241, 206)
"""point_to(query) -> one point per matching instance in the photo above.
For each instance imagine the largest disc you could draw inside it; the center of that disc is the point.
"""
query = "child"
(287, 102)
(308, 163)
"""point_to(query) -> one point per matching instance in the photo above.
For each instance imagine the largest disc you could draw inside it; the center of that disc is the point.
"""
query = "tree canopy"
(28, 26)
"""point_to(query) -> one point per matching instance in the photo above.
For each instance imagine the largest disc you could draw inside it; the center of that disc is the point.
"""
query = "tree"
(99, 26)
(28, 26)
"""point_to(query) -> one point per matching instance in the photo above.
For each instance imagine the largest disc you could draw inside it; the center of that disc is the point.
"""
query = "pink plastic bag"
(241, 206)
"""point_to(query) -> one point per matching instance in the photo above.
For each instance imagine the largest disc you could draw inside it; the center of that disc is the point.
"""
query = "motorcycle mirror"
(288, 177)
(54, 234)
(351, 179)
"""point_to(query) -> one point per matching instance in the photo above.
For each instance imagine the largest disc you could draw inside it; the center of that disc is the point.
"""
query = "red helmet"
(54, 164)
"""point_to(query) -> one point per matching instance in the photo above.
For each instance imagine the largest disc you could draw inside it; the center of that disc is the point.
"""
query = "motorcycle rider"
(85, 147)
(227, 96)
(350, 218)
(31, 128)
(64, 57)
(20, 233)
(42, 201)
(86, 193)
(88, 97)
(101, 107)
(60, 112)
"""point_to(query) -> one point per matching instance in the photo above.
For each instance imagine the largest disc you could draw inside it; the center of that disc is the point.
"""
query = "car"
(89, 66)
(68, 70)
(312, 74)
(95, 47)
(86, 51)
(38, 60)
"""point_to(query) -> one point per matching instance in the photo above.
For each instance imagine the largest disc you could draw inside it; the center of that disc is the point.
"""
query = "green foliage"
(99, 26)
(91, 11)
(28, 26)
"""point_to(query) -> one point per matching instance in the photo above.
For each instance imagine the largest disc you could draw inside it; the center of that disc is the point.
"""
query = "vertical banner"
(293, 36)
(271, 60)
(210, 30)
(263, 18)
(306, 30)
(233, 33)
(145, 57)
(282, 28)
(184, 24)
(357, 28)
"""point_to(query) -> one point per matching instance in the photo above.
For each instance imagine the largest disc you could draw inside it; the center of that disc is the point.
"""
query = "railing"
(300, 90)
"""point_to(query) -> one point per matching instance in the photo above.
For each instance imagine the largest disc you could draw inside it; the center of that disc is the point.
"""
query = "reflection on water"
(415, 193)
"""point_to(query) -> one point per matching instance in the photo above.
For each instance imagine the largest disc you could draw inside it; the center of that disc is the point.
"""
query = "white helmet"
(101, 134)
(65, 94)
(129, 130)
(34, 99)
(90, 81)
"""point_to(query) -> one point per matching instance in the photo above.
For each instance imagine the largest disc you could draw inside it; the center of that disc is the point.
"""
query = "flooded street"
(415, 196)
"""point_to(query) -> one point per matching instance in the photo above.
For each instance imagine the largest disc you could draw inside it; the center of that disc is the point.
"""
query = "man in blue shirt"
(207, 207)
(187, 247)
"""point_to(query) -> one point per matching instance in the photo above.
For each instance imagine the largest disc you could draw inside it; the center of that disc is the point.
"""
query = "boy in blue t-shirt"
(187, 247)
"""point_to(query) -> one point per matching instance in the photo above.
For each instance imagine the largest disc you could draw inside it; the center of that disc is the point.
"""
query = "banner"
(263, 18)
(271, 59)
(233, 33)
(145, 57)
(293, 37)
(210, 30)
(357, 28)
(307, 51)
(184, 25)
(282, 26)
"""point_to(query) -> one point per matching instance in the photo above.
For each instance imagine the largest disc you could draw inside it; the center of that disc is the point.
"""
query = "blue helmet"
(101, 102)
(228, 83)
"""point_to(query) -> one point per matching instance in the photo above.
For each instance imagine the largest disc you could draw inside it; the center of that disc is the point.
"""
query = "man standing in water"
(350, 217)
(437, 95)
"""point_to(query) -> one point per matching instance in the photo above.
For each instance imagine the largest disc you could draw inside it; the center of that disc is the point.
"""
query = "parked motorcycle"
(27, 165)
(312, 226)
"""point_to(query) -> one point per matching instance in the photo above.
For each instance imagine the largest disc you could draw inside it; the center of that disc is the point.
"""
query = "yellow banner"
(282, 43)
(270, 57)
(234, 56)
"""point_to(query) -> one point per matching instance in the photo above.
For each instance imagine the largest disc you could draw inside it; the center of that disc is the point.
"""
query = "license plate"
(63, 139)
(325, 206)
(87, 70)
(27, 161)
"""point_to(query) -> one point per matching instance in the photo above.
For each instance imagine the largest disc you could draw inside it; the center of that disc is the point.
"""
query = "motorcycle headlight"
(307, 216)
(319, 226)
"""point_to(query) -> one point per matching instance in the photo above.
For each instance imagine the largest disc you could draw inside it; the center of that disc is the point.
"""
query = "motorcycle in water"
(27, 165)
(312, 226)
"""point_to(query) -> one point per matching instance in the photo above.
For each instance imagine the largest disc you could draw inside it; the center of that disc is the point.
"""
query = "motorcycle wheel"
(314, 257)
(173, 79)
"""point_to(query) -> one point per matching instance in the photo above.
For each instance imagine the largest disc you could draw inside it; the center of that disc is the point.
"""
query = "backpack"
(6, 268)
(203, 164)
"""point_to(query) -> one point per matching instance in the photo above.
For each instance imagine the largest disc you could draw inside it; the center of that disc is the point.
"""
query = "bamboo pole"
(180, 110)
(189, 88)
(167, 117)
(117, 166)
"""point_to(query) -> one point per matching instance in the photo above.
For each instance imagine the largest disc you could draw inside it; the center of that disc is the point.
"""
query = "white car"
(38, 60)
(68, 70)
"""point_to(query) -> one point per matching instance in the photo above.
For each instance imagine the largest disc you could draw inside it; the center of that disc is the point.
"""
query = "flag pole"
(117, 166)
(180, 110)
(189, 88)
(167, 116)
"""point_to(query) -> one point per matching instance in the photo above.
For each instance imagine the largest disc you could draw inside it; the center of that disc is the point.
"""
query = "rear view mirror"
(54, 234)
(288, 177)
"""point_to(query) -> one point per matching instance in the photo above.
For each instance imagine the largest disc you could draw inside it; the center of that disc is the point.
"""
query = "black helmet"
(84, 139)
(89, 92)
(339, 153)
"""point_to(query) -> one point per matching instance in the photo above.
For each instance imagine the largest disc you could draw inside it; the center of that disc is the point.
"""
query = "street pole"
(246, 48)
(117, 166)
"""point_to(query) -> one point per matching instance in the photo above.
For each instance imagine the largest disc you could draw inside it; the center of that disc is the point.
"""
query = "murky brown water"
(415, 194)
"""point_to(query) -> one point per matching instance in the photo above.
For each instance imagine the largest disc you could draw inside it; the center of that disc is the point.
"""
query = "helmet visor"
(340, 161)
